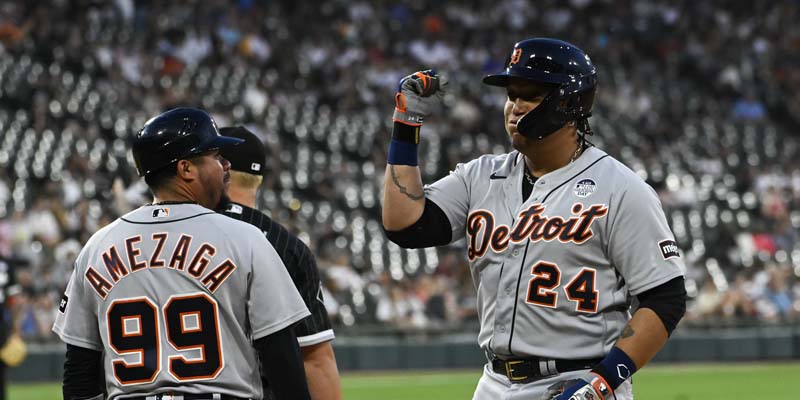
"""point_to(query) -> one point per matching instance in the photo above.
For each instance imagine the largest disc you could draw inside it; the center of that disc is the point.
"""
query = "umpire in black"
(314, 334)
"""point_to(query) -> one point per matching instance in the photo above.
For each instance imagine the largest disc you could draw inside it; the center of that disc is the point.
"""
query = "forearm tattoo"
(627, 332)
(402, 188)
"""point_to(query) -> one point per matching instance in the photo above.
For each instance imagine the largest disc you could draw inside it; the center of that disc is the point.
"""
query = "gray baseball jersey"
(555, 272)
(174, 295)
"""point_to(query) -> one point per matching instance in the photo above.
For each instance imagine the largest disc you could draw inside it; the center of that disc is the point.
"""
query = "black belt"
(185, 396)
(531, 369)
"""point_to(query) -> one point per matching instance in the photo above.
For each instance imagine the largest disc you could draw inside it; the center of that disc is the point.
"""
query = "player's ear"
(186, 170)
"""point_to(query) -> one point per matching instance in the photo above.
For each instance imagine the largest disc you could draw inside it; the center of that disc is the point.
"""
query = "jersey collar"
(513, 166)
(156, 213)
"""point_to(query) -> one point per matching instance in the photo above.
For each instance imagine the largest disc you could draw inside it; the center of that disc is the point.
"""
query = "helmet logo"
(515, 56)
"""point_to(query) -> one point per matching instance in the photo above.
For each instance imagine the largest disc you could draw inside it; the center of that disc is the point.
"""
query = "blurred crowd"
(702, 99)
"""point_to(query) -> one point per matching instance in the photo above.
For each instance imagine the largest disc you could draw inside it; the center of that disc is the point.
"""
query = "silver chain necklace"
(529, 177)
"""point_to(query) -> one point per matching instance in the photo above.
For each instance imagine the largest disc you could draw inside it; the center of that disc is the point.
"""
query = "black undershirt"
(83, 373)
(431, 229)
(667, 300)
(527, 186)
(280, 355)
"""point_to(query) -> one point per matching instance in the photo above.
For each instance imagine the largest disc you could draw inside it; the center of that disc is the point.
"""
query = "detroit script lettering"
(531, 224)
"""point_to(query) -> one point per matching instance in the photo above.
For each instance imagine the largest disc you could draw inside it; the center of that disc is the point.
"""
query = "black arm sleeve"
(283, 365)
(83, 373)
(431, 229)
(668, 301)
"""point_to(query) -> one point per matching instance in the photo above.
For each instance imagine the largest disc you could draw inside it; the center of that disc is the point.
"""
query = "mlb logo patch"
(669, 249)
(161, 213)
(234, 208)
(585, 188)
(255, 167)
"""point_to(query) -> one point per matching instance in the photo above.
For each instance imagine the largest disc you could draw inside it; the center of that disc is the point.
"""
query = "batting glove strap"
(589, 387)
(601, 387)
(417, 95)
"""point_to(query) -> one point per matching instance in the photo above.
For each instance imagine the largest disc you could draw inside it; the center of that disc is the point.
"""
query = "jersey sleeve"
(641, 245)
(451, 194)
(273, 300)
(76, 321)
(315, 328)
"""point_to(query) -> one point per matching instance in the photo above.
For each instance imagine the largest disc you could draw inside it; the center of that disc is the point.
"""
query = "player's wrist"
(403, 132)
(402, 153)
(615, 368)
(403, 147)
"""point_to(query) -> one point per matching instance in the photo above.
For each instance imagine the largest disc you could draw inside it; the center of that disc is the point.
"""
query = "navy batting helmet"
(174, 135)
(560, 64)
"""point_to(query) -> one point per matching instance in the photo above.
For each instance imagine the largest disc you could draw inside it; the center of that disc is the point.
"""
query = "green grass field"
(675, 382)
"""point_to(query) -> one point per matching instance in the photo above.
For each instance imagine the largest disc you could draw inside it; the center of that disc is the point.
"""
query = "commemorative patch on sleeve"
(669, 249)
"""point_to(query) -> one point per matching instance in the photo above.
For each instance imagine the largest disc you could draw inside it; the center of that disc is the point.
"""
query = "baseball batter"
(561, 236)
(172, 300)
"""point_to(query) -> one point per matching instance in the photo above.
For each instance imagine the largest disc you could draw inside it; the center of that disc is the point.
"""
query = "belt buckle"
(510, 371)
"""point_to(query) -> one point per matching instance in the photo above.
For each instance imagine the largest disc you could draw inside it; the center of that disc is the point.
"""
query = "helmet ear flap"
(543, 120)
(571, 106)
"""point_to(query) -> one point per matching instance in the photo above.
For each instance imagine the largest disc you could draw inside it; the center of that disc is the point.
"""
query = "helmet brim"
(502, 79)
(220, 142)
(496, 80)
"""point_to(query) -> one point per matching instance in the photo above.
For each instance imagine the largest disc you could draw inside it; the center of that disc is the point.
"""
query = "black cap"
(250, 156)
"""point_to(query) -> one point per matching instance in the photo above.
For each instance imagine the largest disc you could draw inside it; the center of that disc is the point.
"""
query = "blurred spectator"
(707, 303)
(748, 108)
(736, 301)
(777, 301)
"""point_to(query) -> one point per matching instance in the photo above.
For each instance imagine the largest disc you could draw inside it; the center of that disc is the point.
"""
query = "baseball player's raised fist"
(417, 95)
(588, 387)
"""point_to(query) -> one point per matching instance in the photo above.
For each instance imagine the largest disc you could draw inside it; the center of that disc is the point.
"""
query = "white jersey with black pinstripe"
(302, 267)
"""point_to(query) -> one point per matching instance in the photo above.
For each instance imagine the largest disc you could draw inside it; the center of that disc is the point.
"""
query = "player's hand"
(588, 387)
(417, 95)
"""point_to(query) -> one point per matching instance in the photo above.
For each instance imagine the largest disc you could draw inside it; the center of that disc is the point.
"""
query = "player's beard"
(223, 202)
(518, 141)
(214, 190)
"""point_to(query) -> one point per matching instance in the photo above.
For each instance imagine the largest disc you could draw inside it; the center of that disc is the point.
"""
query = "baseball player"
(172, 300)
(561, 236)
(314, 333)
